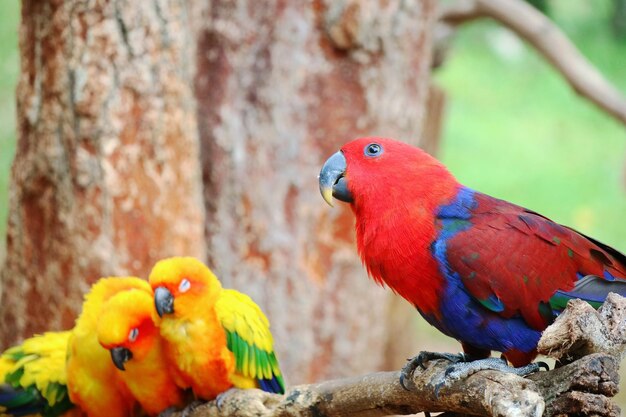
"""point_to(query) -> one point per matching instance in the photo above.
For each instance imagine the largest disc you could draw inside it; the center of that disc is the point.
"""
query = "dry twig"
(583, 386)
(549, 41)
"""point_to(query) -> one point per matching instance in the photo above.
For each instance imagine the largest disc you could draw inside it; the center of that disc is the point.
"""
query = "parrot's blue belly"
(466, 320)
(462, 316)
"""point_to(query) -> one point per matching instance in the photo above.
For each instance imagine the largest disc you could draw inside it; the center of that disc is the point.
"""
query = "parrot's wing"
(34, 376)
(517, 262)
(249, 338)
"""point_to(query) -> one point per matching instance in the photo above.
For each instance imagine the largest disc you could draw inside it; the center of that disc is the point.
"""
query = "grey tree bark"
(119, 99)
(588, 344)
(281, 85)
(106, 177)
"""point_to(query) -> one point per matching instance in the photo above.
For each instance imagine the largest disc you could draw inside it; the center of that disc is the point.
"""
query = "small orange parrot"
(93, 380)
(215, 338)
(127, 329)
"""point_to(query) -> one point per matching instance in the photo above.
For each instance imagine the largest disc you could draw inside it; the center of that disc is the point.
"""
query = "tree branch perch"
(583, 386)
(549, 41)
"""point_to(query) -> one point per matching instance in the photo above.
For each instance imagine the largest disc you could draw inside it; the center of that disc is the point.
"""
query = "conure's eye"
(132, 335)
(373, 149)
(184, 285)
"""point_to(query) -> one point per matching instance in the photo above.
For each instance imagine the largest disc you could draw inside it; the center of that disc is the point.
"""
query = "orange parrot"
(68, 373)
(94, 383)
(127, 329)
(215, 338)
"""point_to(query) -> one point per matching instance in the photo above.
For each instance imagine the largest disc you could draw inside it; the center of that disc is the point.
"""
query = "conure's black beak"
(163, 301)
(332, 180)
(120, 355)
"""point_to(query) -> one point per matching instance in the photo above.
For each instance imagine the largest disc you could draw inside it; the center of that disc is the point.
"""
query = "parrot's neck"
(151, 381)
(394, 236)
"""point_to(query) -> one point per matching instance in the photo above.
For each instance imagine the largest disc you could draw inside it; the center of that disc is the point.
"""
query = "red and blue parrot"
(484, 271)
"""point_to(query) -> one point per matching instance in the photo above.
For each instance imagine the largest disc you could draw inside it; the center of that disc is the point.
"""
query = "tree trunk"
(106, 178)
(281, 86)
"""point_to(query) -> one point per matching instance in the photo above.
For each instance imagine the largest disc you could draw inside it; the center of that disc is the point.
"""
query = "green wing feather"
(248, 336)
(35, 377)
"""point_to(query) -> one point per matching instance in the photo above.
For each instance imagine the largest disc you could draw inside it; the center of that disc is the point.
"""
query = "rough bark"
(281, 85)
(433, 122)
(582, 387)
(581, 330)
(106, 178)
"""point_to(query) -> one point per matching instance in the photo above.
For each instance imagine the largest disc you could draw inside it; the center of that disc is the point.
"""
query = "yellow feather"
(93, 383)
(243, 382)
(6, 366)
(237, 312)
(43, 362)
(240, 314)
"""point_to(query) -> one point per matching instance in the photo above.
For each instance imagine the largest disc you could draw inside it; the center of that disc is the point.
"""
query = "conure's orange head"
(127, 326)
(183, 287)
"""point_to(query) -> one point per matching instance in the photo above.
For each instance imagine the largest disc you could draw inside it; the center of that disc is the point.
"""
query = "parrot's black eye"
(373, 149)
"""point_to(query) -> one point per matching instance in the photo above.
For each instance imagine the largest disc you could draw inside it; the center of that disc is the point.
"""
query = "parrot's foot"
(190, 407)
(219, 400)
(462, 370)
(406, 375)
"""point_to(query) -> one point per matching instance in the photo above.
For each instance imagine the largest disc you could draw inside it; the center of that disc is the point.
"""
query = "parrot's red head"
(372, 170)
(183, 287)
(126, 327)
(394, 190)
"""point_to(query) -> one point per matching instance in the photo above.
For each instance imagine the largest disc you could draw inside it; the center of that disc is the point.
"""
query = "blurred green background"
(9, 69)
(514, 128)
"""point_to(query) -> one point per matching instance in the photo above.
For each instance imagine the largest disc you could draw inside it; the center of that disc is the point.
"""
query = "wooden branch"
(487, 393)
(594, 377)
(581, 330)
(380, 394)
(549, 41)
(592, 340)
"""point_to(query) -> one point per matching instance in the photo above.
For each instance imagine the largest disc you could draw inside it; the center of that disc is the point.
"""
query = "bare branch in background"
(544, 36)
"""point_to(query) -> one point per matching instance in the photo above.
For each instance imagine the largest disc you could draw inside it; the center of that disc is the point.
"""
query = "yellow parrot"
(216, 338)
(93, 381)
(127, 329)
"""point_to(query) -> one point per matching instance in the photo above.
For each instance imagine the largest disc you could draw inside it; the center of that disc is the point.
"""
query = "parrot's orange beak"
(332, 180)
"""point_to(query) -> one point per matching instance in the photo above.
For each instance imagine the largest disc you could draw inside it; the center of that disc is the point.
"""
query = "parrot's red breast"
(394, 224)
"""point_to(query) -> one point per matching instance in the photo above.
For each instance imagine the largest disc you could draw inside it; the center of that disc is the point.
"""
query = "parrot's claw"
(406, 375)
(424, 357)
(462, 370)
(219, 400)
